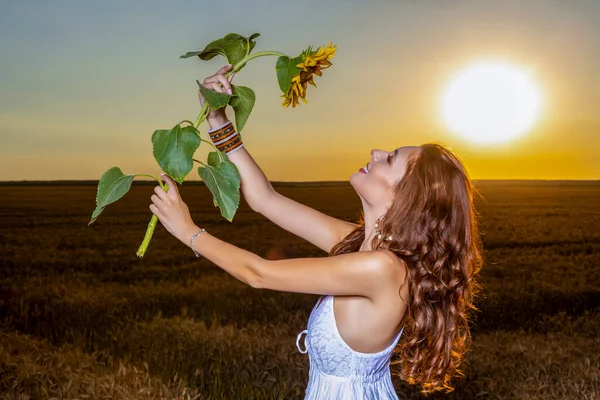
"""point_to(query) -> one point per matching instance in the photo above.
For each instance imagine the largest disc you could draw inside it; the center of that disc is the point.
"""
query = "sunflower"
(312, 64)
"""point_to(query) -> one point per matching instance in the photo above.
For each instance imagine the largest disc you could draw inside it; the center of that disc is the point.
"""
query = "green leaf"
(219, 159)
(232, 46)
(215, 100)
(251, 41)
(223, 179)
(173, 150)
(112, 186)
(242, 102)
(286, 70)
(216, 157)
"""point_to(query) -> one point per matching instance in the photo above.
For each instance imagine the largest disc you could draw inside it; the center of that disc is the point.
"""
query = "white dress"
(337, 371)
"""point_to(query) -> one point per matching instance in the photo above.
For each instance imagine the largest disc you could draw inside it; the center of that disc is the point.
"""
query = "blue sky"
(84, 84)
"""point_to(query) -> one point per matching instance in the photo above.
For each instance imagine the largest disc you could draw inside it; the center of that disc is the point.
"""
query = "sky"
(84, 84)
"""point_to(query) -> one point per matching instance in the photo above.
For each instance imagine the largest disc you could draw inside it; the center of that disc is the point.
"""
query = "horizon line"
(325, 182)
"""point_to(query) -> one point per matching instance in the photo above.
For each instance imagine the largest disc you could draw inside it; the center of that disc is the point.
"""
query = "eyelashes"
(389, 158)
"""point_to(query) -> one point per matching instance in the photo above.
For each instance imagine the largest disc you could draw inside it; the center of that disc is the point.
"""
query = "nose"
(375, 153)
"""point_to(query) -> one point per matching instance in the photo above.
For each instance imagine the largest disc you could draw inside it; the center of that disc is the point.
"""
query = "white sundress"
(337, 371)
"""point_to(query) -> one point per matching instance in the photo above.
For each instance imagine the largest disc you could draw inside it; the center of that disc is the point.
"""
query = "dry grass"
(33, 369)
(82, 317)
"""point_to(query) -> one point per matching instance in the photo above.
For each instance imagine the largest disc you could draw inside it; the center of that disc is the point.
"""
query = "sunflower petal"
(312, 64)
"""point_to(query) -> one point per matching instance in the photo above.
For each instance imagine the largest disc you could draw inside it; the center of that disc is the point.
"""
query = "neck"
(372, 214)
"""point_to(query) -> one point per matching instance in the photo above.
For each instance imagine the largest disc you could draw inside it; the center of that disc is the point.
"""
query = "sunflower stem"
(209, 142)
(152, 224)
(249, 57)
(154, 177)
(188, 121)
(202, 115)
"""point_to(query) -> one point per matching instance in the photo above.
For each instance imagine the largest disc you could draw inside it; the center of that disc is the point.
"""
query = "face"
(374, 181)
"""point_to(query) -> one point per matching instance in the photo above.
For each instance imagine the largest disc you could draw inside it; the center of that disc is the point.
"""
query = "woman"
(408, 267)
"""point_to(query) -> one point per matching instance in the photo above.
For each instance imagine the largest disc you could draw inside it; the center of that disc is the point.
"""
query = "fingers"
(215, 86)
(160, 193)
(225, 83)
(156, 201)
(224, 69)
(154, 209)
(221, 79)
(219, 83)
(172, 184)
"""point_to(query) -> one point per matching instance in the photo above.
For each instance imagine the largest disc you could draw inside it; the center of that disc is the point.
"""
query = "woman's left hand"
(172, 212)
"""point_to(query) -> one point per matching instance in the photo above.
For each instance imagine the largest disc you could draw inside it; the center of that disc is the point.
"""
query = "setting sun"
(491, 102)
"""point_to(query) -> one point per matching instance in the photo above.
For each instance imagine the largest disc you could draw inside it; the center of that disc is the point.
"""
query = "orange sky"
(85, 85)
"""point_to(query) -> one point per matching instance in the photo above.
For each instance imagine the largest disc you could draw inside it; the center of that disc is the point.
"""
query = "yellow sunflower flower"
(313, 62)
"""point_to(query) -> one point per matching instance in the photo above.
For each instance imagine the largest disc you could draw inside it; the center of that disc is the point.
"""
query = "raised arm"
(314, 226)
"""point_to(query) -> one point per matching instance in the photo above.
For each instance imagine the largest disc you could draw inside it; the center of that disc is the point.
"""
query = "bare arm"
(363, 273)
(314, 226)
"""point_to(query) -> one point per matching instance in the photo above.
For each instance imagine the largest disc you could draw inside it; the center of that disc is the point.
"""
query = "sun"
(491, 102)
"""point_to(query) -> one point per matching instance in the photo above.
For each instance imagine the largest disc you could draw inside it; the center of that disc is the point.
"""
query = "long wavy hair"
(434, 230)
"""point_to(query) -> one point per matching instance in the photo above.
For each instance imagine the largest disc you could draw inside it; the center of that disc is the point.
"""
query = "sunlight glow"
(491, 102)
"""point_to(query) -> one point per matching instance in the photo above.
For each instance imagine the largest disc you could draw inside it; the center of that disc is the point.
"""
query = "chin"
(353, 178)
(355, 181)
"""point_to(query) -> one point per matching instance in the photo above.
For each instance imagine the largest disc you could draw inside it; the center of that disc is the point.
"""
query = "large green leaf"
(215, 100)
(112, 186)
(219, 159)
(173, 150)
(223, 180)
(286, 70)
(232, 46)
(242, 102)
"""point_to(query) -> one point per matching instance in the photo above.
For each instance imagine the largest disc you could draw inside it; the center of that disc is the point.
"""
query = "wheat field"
(82, 317)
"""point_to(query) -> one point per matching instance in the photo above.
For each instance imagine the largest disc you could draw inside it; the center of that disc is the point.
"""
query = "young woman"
(408, 267)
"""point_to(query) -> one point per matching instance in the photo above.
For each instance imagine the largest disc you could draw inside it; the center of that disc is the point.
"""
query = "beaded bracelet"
(225, 138)
(192, 241)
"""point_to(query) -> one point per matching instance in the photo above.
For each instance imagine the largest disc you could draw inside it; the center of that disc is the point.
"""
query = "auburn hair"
(434, 230)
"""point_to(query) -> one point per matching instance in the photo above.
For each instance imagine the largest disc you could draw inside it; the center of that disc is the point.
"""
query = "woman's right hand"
(218, 83)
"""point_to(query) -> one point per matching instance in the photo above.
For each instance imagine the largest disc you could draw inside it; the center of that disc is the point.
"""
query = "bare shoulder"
(391, 265)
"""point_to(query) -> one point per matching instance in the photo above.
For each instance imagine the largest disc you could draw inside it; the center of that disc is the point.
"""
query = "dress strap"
(298, 342)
